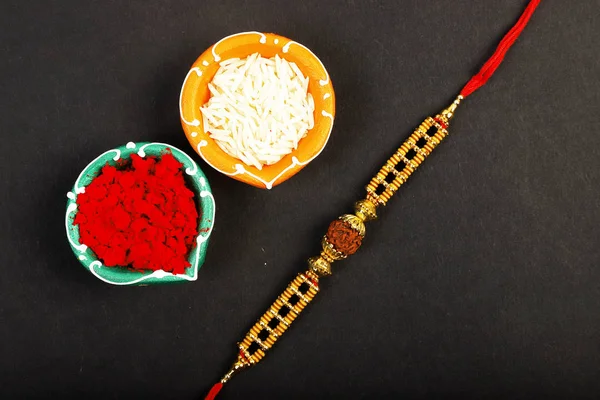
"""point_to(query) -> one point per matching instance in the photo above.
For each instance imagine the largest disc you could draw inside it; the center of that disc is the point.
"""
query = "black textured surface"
(480, 279)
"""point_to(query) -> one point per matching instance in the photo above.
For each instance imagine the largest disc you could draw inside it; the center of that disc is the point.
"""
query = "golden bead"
(365, 210)
(319, 266)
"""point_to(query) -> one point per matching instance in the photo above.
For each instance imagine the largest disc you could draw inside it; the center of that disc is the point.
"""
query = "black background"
(480, 278)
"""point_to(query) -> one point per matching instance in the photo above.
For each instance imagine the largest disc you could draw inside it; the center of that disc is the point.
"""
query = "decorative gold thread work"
(286, 308)
(400, 166)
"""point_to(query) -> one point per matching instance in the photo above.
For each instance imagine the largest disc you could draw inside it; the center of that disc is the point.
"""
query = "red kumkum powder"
(142, 216)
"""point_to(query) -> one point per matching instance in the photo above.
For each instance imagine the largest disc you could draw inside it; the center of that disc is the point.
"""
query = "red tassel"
(214, 391)
(509, 39)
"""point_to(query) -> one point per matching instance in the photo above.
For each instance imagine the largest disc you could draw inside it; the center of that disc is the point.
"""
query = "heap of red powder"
(141, 216)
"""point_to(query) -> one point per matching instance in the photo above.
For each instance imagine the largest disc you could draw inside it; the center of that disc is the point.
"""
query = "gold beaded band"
(409, 156)
(343, 238)
(278, 318)
(263, 335)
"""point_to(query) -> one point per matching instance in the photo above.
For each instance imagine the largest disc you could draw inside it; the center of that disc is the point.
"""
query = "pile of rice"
(259, 109)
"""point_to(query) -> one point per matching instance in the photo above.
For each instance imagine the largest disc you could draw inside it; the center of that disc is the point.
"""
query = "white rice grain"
(259, 109)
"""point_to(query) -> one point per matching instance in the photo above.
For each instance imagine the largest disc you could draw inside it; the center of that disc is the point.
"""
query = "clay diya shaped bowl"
(195, 180)
(195, 93)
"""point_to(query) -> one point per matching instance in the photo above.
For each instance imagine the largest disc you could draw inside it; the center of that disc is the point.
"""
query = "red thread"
(507, 41)
(214, 391)
(140, 216)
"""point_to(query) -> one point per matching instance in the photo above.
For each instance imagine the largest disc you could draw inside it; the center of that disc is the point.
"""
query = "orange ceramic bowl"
(195, 93)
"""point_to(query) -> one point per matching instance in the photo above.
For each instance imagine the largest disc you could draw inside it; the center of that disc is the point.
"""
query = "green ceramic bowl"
(123, 276)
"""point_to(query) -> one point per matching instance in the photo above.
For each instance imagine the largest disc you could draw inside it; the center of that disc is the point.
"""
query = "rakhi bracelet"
(344, 235)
